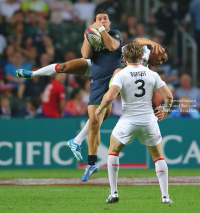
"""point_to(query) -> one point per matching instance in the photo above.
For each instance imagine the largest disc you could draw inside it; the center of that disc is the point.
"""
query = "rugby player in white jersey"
(136, 83)
(82, 66)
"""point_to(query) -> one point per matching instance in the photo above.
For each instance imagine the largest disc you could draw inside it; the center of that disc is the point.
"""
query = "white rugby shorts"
(148, 135)
(88, 72)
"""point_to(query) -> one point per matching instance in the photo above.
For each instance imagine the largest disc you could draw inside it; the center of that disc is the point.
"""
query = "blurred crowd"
(36, 33)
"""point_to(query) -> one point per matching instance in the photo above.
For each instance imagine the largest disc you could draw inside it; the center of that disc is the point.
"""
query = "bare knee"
(94, 125)
(64, 68)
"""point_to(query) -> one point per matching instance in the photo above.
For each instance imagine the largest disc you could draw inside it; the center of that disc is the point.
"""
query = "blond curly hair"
(133, 52)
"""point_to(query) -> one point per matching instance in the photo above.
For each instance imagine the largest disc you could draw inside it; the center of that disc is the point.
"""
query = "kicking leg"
(161, 170)
(113, 167)
(76, 67)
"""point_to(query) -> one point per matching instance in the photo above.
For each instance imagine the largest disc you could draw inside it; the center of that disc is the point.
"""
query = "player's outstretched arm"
(86, 50)
(111, 43)
(107, 99)
(168, 100)
(157, 48)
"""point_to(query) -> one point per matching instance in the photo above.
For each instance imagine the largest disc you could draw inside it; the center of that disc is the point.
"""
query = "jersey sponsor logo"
(138, 73)
(97, 49)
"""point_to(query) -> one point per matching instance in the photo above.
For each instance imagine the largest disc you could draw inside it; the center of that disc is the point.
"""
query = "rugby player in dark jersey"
(105, 60)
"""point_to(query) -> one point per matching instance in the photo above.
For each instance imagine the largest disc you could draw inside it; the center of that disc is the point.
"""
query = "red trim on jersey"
(159, 159)
(56, 67)
(114, 155)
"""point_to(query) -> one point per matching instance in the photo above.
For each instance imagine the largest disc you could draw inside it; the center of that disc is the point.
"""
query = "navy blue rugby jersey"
(105, 62)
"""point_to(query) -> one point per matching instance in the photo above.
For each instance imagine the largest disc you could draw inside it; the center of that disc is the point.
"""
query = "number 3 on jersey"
(141, 87)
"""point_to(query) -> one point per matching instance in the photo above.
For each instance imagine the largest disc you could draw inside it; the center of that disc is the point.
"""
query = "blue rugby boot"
(76, 149)
(89, 170)
(21, 73)
(113, 198)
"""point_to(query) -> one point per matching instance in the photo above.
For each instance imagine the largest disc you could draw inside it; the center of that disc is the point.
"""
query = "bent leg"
(76, 67)
(161, 167)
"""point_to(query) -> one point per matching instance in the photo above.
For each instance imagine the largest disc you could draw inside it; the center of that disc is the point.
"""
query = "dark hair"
(35, 102)
(75, 92)
(166, 50)
(100, 12)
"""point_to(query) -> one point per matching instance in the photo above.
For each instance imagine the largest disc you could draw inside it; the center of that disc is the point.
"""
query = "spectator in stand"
(187, 89)
(19, 35)
(54, 97)
(32, 87)
(41, 7)
(114, 9)
(185, 110)
(125, 38)
(9, 8)
(117, 106)
(53, 52)
(75, 105)
(84, 11)
(3, 45)
(61, 10)
(5, 110)
(131, 22)
(164, 18)
(181, 9)
(42, 31)
(140, 31)
(28, 50)
(195, 16)
(33, 109)
(86, 91)
(32, 25)
(10, 69)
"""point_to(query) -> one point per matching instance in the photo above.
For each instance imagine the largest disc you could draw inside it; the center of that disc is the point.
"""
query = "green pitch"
(84, 199)
(58, 199)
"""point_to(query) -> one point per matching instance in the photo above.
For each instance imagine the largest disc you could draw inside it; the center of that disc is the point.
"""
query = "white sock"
(45, 71)
(113, 168)
(162, 174)
(82, 134)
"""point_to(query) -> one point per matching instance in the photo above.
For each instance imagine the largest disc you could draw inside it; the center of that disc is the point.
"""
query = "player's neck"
(134, 64)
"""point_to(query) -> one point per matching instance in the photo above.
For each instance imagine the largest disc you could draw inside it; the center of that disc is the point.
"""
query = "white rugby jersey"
(137, 84)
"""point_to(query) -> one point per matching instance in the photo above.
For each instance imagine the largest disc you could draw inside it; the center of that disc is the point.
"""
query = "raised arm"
(111, 43)
(157, 48)
(86, 50)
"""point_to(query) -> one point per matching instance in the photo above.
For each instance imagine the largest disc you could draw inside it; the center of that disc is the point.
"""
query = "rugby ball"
(94, 38)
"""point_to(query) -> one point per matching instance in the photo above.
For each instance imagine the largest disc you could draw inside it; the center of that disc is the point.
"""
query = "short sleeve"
(116, 34)
(158, 82)
(117, 80)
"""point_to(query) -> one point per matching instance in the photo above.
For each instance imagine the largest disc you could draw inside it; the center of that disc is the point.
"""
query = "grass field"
(53, 199)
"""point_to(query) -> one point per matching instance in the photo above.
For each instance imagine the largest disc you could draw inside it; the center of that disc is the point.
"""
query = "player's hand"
(96, 25)
(157, 48)
(160, 114)
(97, 113)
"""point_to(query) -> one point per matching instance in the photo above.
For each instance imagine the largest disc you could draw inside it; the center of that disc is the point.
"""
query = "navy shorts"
(97, 90)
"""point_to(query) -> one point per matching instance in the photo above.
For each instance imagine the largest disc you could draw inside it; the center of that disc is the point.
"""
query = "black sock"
(92, 159)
